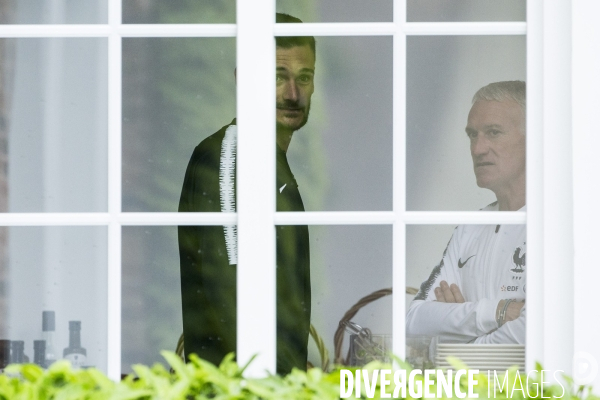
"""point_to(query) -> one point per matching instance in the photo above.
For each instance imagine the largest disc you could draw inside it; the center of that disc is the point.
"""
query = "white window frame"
(549, 192)
(586, 191)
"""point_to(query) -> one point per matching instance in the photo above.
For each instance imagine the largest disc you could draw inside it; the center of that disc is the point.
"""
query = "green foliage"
(200, 379)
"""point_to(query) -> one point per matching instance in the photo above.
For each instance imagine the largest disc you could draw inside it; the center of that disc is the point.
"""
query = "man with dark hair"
(208, 254)
(477, 292)
(285, 42)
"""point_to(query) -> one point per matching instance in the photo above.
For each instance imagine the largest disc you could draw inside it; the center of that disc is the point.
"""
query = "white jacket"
(487, 262)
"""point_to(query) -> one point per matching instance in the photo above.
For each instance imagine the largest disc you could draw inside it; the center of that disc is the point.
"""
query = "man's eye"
(494, 132)
(304, 78)
(278, 78)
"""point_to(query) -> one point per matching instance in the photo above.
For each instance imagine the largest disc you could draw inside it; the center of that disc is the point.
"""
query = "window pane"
(178, 12)
(151, 302)
(54, 12)
(443, 74)
(54, 135)
(338, 10)
(60, 269)
(484, 265)
(347, 264)
(342, 158)
(465, 10)
(176, 92)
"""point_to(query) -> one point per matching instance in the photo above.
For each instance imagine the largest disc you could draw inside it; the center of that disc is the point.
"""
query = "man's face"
(295, 86)
(496, 131)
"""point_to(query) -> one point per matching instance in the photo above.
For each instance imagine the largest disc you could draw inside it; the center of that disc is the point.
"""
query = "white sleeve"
(451, 322)
(510, 332)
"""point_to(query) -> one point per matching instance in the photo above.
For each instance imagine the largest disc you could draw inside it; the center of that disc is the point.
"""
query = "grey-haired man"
(477, 292)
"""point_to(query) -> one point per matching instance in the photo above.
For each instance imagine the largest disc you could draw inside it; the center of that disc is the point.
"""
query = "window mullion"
(256, 309)
(114, 192)
(558, 279)
(399, 181)
(586, 218)
(535, 214)
(465, 28)
(409, 28)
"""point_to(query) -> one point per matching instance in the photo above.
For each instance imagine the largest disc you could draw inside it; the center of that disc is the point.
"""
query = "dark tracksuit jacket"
(208, 280)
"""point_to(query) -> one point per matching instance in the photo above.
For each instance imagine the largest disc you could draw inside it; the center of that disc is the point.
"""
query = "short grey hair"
(503, 91)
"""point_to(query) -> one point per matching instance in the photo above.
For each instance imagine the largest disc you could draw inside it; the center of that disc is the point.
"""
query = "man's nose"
(479, 145)
(291, 91)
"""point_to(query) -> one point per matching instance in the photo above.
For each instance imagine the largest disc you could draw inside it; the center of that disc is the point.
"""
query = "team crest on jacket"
(518, 261)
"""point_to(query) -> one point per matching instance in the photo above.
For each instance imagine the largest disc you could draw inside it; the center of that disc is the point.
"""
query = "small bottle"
(17, 355)
(39, 353)
(75, 353)
(48, 326)
(4, 354)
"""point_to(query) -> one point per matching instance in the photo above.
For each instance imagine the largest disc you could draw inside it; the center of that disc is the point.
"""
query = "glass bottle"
(48, 327)
(17, 355)
(75, 353)
(39, 353)
(4, 354)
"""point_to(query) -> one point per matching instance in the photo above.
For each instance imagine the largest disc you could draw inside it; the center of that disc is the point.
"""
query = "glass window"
(178, 12)
(464, 276)
(55, 121)
(151, 295)
(342, 157)
(60, 269)
(338, 10)
(176, 92)
(443, 74)
(348, 263)
(54, 12)
(465, 10)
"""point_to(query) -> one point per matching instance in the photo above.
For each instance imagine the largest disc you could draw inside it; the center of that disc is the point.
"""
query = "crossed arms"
(446, 314)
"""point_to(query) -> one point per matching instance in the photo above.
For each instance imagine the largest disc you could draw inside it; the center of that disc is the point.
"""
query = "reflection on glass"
(53, 12)
(443, 74)
(60, 269)
(338, 10)
(342, 157)
(54, 110)
(349, 263)
(465, 10)
(472, 293)
(176, 92)
(151, 294)
(178, 12)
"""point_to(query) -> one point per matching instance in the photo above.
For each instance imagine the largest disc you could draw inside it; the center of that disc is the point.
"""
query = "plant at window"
(200, 380)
